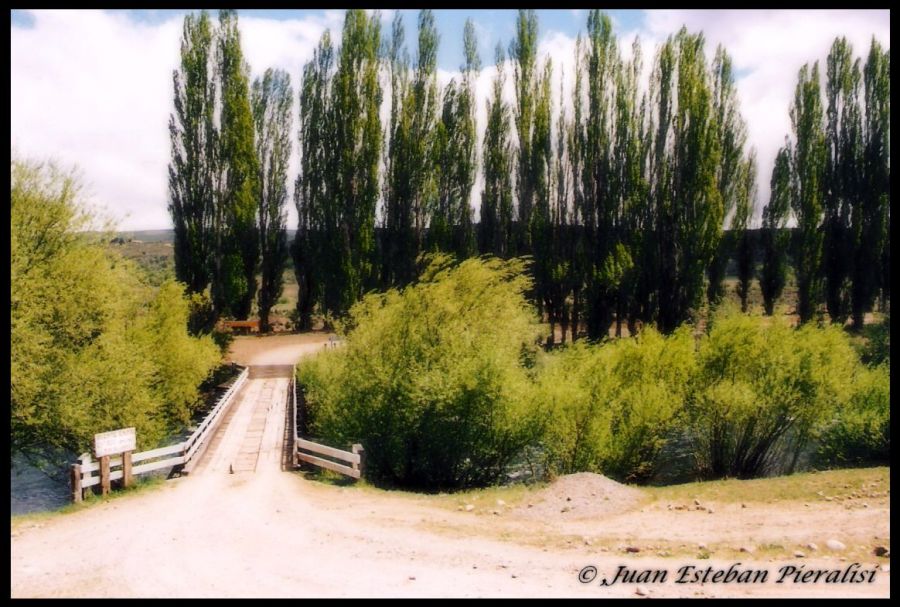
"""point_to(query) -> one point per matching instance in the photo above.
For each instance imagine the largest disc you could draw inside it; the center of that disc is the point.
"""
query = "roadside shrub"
(92, 347)
(610, 406)
(432, 380)
(760, 392)
(860, 431)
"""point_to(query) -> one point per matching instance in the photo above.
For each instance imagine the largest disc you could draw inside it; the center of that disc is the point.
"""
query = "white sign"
(112, 443)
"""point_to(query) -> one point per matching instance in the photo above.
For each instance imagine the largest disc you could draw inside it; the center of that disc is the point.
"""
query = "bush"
(93, 348)
(610, 406)
(860, 431)
(429, 380)
(761, 391)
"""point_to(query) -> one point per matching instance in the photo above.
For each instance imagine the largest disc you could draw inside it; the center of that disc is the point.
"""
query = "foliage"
(610, 406)
(92, 347)
(432, 386)
(192, 133)
(236, 256)
(338, 186)
(272, 103)
(860, 431)
(761, 391)
(495, 229)
(775, 237)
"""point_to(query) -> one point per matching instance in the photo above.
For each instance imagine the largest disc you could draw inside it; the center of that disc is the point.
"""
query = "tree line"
(227, 178)
(620, 198)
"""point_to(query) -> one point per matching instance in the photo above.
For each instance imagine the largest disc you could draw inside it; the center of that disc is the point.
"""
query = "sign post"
(115, 442)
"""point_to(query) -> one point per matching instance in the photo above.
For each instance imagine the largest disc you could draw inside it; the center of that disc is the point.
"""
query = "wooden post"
(126, 469)
(361, 452)
(84, 460)
(76, 482)
(104, 475)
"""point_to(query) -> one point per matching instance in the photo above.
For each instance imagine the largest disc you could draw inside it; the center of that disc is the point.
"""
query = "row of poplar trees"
(231, 147)
(621, 205)
(834, 175)
(620, 197)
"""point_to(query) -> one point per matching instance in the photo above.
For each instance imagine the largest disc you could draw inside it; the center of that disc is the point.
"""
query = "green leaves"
(92, 347)
(428, 381)
(272, 102)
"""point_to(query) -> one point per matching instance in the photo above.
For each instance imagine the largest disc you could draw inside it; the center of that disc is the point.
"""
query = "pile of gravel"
(582, 495)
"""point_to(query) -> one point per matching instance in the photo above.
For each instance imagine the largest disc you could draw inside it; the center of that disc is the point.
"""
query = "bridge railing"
(87, 472)
(350, 463)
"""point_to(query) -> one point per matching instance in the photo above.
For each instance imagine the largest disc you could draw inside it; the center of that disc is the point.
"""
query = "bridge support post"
(126, 469)
(75, 472)
(104, 475)
(361, 452)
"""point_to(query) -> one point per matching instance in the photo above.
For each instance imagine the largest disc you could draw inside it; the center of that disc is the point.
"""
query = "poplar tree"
(413, 189)
(313, 257)
(599, 211)
(740, 227)
(496, 234)
(843, 171)
(523, 54)
(352, 171)
(775, 237)
(191, 171)
(451, 227)
(870, 214)
(807, 170)
(272, 101)
(237, 250)
(688, 202)
(731, 135)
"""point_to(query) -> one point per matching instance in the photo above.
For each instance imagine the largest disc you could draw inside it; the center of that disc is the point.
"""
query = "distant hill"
(165, 235)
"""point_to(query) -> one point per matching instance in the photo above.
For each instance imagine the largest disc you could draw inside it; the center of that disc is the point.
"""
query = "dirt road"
(264, 532)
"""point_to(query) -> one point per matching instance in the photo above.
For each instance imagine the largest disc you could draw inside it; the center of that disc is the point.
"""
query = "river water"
(33, 491)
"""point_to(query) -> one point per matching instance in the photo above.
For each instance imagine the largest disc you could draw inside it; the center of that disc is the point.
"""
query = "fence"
(128, 465)
(303, 449)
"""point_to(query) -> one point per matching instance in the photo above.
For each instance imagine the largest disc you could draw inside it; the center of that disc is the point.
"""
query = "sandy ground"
(265, 532)
(276, 349)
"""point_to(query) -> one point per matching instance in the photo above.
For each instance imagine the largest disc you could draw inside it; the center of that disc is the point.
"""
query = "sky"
(93, 89)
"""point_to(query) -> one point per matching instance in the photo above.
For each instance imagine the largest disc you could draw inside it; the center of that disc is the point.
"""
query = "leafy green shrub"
(760, 392)
(609, 406)
(92, 347)
(860, 431)
(432, 379)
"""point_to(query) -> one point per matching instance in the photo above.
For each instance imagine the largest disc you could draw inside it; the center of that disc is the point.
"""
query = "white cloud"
(768, 49)
(94, 89)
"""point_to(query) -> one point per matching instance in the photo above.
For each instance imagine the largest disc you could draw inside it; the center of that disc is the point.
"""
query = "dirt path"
(262, 532)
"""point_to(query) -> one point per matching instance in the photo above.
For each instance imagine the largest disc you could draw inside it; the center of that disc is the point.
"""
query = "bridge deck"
(252, 433)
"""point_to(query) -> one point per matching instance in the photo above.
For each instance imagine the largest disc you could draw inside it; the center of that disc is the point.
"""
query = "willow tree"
(192, 133)
(807, 170)
(237, 250)
(272, 100)
(775, 237)
(495, 229)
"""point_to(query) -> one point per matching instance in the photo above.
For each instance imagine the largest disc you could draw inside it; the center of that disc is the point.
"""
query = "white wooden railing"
(87, 472)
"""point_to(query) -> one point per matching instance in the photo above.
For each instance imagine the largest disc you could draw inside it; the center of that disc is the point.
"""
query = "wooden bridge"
(253, 424)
